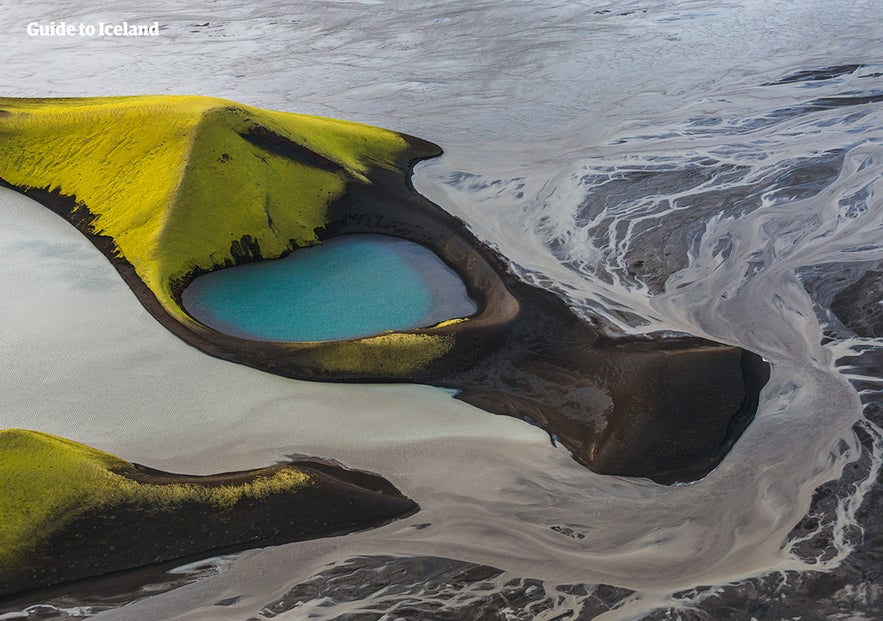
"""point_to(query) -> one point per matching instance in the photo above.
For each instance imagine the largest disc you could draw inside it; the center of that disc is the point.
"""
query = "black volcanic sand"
(127, 535)
(441, 589)
(414, 588)
(90, 596)
(668, 409)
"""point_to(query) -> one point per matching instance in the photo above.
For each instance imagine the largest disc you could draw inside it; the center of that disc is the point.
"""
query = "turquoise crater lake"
(348, 287)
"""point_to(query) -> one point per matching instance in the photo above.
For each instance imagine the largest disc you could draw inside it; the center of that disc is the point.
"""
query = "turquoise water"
(348, 287)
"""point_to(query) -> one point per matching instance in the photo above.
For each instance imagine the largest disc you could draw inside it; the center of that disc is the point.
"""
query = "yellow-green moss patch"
(47, 482)
(395, 353)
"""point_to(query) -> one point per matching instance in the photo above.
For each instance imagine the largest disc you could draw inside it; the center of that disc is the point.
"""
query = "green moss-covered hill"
(68, 511)
(170, 187)
(184, 184)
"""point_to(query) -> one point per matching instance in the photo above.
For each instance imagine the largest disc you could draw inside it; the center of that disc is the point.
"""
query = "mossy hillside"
(175, 181)
(47, 482)
(184, 185)
(394, 354)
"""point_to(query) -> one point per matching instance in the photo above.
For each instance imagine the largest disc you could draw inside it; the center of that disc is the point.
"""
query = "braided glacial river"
(702, 167)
